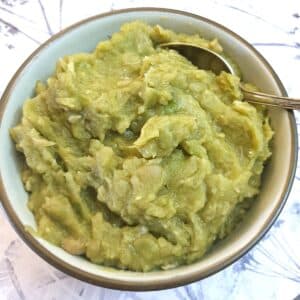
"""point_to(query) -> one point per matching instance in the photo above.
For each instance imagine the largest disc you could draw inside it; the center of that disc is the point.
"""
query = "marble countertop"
(271, 270)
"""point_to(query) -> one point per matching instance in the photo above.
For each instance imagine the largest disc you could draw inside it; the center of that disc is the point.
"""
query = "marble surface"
(271, 270)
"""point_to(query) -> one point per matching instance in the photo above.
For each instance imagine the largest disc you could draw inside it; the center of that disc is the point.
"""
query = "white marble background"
(271, 270)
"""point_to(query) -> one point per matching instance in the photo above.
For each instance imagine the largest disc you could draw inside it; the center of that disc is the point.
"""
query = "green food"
(135, 158)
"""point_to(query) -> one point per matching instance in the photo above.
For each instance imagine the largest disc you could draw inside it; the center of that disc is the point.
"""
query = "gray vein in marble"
(257, 17)
(15, 14)
(59, 274)
(296, 209)
(50, 280)
(16, 29)
(14, 278)
(12, 3)
(279, 268)
(81, 292)
(132, 296)
(190, 293)
(284, 245)
(180, 295)
(63, 287)
(112, 7)
(274, 44)
(61, 3)
(294, 30)
(45, 17)
(296, 15)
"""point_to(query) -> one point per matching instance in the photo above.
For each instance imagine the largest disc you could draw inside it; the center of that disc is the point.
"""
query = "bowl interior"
(84, 37)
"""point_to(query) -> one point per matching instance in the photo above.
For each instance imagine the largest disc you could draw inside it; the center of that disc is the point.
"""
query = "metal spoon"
(209, 60)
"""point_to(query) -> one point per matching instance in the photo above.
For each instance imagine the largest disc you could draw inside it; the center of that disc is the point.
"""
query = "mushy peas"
(137, 159)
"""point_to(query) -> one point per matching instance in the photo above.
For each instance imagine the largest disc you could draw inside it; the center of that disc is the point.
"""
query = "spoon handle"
(272, 100)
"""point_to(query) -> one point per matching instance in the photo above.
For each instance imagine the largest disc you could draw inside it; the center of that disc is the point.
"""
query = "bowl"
(83, 36)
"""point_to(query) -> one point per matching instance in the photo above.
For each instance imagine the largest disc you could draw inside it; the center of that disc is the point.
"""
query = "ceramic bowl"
(84, 36)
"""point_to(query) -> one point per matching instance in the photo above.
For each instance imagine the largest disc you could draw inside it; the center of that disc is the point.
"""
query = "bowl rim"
(158, 284)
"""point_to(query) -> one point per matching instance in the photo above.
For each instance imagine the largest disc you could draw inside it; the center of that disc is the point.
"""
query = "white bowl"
(84, 36)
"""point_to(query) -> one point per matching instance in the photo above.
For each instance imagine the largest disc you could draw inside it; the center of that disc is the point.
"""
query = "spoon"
(209, 60)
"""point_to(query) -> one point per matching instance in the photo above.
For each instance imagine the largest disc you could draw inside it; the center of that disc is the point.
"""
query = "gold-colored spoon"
(209, 60)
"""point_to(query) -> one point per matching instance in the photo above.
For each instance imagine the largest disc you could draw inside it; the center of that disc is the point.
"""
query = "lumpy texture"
(137, 159)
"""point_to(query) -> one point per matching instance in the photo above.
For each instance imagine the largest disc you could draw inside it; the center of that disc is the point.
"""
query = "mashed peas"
(137, 159)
